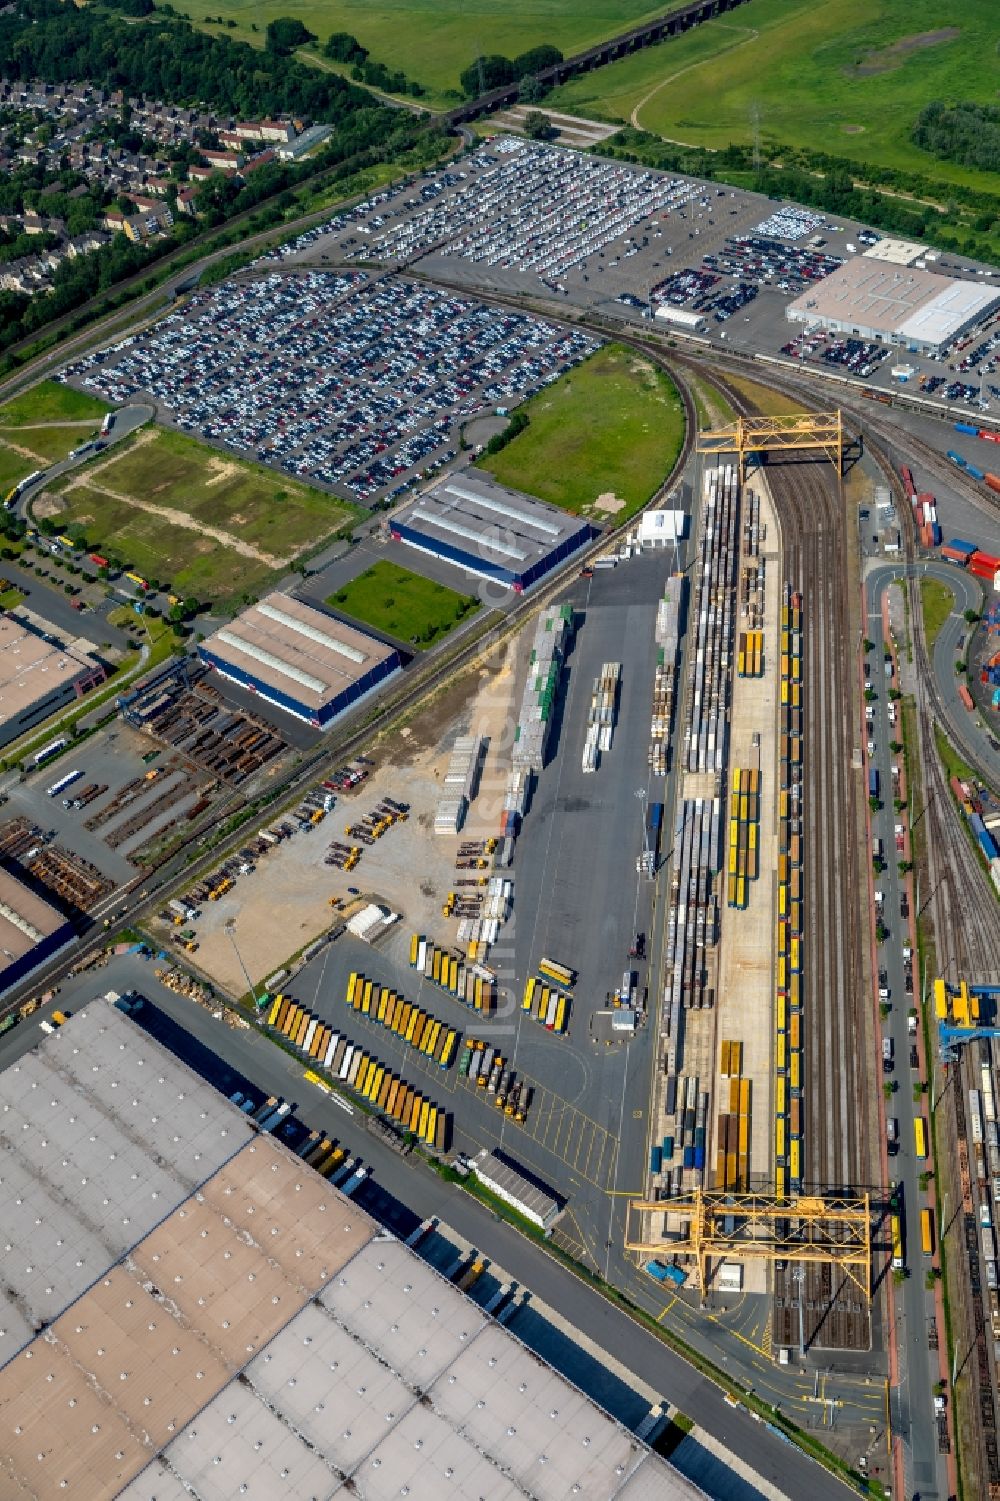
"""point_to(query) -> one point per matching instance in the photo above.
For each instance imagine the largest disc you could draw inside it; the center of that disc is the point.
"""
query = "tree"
(867, 646)
(342, 47)
(285, 33)
(972, 617)
(486, 73)
(531, 89)
(535, 59)
(538, 127)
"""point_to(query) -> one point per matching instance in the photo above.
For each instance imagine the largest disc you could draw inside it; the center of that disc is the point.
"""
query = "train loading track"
(838, 1103)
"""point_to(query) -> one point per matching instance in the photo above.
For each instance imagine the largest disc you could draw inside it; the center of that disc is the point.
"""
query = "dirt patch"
(885, 58)
(609, 503)
(221, 471)
(285, 903)
(854, 130)
(48, 505)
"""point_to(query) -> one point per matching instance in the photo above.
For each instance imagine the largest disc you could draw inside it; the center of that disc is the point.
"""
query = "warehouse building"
(189, 1309)
(38, 675)
(299, 659)
(891, 304)
(490, 531)
(31, 930)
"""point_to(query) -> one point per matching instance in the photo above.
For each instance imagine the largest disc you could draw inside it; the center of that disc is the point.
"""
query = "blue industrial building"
(491, 532)
(299, 658)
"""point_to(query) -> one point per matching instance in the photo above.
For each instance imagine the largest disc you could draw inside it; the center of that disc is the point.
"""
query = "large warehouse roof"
(31, 668)
(895, 301)
(256, 1335)
(25, 918)
(297, 650)
(503, 527)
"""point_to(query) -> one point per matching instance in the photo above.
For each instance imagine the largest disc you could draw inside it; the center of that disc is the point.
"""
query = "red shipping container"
(992, 482)
(990, 437)
(924, 497)
(927, 536)
(984, 566)
(954, 556)
(966, 697)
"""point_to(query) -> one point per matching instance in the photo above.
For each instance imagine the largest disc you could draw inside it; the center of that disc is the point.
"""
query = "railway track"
(837, 1102)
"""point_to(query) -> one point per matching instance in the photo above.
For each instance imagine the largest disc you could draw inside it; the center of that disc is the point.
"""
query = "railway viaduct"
(646, 35)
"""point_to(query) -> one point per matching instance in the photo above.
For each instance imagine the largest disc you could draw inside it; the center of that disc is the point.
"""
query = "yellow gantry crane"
(721, 1225)
(797, 430)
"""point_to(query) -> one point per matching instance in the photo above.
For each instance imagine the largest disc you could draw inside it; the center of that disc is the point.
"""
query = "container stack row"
(693, 919)
(601, 715)
(472, 984)
(707, 711)
(788, 955)
(411, 1023)
(670, 625)
(459, 784)
(487, 1069)
(538, 702)
(732, 1153)
(682, 1147)
(545, 1004)
(351, 1065)
(744, 835)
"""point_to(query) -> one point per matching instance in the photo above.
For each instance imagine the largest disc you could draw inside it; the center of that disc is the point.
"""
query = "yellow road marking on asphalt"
(666, 1309)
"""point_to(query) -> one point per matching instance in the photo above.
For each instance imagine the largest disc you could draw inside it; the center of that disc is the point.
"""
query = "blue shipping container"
(699, 1157)
(935, 534)
(655, 1160)
(987, 845)
(976, 473)
(668, 1146)
(689, 1156)
(873, 782)
(966, 427)
(956, 458)
(960, 545)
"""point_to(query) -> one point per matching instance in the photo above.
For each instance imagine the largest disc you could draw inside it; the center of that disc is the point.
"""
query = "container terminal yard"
(609, 935)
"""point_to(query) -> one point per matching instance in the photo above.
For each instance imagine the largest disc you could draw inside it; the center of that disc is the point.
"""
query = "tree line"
(494, 71)
(164, 57)
(967, 223)
(967, 134)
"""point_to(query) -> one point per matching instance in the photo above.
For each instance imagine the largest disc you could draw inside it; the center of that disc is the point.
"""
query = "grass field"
(847, 77)
(600, 440)
(31, 436)
(938, 602)
(211, 525)
(404, 604)
(433, 40)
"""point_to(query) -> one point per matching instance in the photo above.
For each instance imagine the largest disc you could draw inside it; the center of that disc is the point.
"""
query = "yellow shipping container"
(724, 1065)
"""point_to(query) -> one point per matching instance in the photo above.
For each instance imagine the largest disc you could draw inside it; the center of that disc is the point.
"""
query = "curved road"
(964, 729)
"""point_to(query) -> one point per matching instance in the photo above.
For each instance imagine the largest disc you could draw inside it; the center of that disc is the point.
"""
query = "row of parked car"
(354, 384)
(530, 207)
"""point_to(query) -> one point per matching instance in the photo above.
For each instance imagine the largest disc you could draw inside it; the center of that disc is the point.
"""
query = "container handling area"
(299, 659)
(292, 1351)
(491, 531)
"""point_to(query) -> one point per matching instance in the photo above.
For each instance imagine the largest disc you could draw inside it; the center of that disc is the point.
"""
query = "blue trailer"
(663, 1273)
(966, 427)
(873, 781)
